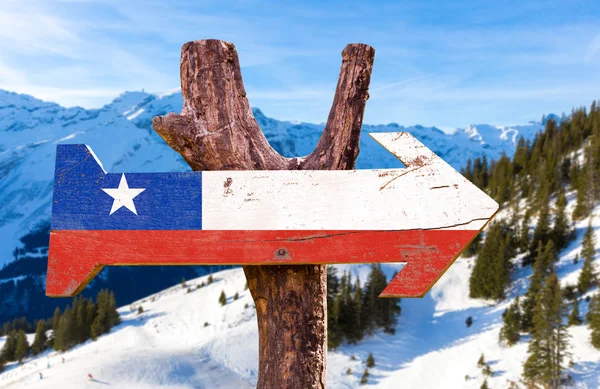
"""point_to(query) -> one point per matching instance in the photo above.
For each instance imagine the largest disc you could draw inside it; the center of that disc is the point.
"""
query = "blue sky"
(446, 64)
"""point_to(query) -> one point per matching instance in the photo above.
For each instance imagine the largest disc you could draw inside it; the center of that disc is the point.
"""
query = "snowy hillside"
(170, 346)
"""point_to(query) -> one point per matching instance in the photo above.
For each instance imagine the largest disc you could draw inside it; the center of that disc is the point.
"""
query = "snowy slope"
(168, 345)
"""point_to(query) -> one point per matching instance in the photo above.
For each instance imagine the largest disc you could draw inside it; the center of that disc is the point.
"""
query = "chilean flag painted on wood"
(423, 215)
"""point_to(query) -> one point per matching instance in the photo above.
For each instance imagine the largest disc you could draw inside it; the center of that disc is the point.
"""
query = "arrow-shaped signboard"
(423, 215)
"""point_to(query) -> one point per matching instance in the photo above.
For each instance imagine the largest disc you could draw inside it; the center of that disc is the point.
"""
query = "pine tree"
(378, 312)
(56, 319)
(587, 277)
(101, 323)
(354, 330)
(549, 337)
(334, 333)
(491, 273)
(510, 333)
(481, 361)
(593, 319)
(222, 298)
(370, 361)
(574, 318)
(22, 346)
(487, 370)
(363, 379)
(113, 313)
(543, 266)
(542, 232)
(524, 240)
(484, 385)
(209, 280)
(39, 342)
(560, 230)
(64, 338)
(585, 185)
(90, 316)
(10, 345)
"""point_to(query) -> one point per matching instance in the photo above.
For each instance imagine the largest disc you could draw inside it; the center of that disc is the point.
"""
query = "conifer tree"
(560, 230)
(56, 318)
(80, 311)
(113, 314)
(542, 232)
(333, 284)
(510, 333)
(334, 333)
(524, 240)
(376, 312)
(10, 345)
(101, 323)
(222, 298)
(39, 342)
(6, 328)
(64, 338)
(370, 361)
(542, 268)
(484, 385)
(574, 318)
(593, 319)
(481, 361)
(90, 316)
(347, 315)
(491, 273)
(364, 378)
(547, 349)
(22, 346)
(586, 181)
(356, 329)
(587, 277)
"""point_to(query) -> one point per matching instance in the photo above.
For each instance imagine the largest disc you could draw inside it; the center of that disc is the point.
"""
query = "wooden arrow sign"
(424, 215)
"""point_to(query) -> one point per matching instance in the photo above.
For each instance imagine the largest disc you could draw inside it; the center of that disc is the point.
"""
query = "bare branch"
(338, 147)
(216, 129)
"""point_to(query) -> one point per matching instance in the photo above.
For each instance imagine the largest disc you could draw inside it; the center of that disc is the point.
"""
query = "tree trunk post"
(216, 130)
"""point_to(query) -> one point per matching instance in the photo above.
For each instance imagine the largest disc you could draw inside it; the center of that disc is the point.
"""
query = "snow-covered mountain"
(169, 346)
(121, 135)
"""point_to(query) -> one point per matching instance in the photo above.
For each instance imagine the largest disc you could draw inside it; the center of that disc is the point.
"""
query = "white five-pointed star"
(123, 196)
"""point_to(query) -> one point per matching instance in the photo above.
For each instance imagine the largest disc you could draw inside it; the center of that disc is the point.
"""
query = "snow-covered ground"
(169, 345)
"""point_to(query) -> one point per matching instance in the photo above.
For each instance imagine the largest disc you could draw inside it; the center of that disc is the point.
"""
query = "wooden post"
(217, 131)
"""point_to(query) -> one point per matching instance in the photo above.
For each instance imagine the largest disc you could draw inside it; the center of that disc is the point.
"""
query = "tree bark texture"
(216, 130)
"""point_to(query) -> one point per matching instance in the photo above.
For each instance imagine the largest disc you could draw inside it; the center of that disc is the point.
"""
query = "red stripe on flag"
(76, 256)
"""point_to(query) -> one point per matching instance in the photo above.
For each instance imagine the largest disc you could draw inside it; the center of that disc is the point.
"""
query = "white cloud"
(23, 28)
(592, 49)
